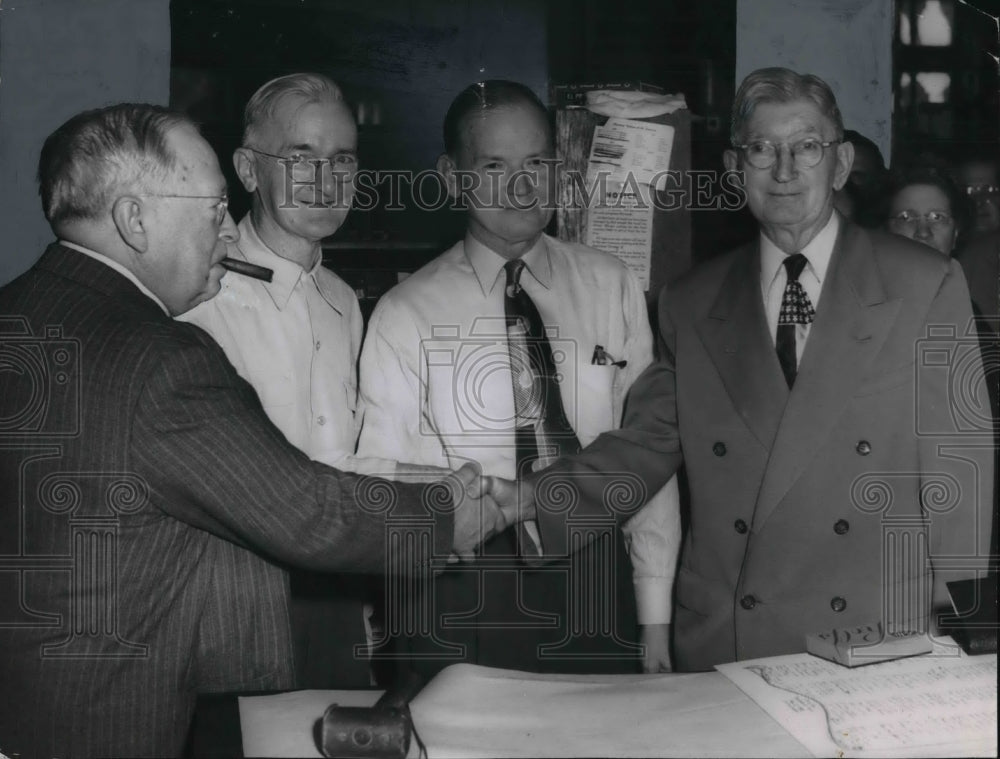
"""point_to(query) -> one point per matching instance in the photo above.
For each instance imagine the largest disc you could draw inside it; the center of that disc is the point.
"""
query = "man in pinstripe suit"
(143, 492)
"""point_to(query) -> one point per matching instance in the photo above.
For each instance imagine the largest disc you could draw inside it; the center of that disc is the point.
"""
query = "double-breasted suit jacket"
(145, 499)
(827, 505)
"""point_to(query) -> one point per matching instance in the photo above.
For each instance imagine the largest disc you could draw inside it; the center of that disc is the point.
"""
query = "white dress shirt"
(436, 382)
(296, 339)
(774, 277)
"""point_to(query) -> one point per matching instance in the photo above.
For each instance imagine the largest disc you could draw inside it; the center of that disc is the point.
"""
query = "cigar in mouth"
(246, 269)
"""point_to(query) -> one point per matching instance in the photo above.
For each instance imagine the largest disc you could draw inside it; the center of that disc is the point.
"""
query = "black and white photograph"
(499, 378)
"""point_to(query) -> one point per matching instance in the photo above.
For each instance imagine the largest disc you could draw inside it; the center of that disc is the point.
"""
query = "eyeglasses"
(220, 207)
(341, 166)
(761, 154)
(931, 218)
(976, 190)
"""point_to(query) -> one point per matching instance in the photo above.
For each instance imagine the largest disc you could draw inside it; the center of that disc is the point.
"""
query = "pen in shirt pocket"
(602, 358)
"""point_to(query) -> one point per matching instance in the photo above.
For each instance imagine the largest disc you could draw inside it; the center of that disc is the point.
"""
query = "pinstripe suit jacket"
(146, 503)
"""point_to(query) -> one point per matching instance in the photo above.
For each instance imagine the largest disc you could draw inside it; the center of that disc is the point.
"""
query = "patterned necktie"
(542, 430)
(795, 309)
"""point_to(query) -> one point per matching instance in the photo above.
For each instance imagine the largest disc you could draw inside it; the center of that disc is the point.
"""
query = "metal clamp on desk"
(382, 731)
(358, 732)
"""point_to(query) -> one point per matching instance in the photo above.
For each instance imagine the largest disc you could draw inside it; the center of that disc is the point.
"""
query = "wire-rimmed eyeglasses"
(931, 218)
(221, 205)
(341, 165)
(980, 190)
(807, 153)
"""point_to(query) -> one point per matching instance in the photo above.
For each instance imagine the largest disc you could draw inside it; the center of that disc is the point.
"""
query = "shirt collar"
(817, 253)
(123, 270)
(488, 264)
(286, 273)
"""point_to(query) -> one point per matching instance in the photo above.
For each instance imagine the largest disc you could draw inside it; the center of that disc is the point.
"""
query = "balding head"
(101, 153)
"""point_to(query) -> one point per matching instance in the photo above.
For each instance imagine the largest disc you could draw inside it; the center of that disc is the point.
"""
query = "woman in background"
(925, 205)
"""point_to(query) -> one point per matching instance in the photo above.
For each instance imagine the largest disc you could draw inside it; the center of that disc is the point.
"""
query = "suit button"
(741, 526)
(838, 604)
(748, 602)
(719, 449)
(841, 526)
(863, 447)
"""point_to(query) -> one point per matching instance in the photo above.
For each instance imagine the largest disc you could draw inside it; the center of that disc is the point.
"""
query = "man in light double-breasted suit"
(822, 391)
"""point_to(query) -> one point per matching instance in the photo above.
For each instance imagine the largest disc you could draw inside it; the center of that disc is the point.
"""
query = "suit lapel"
(852, 322)
(736, 337)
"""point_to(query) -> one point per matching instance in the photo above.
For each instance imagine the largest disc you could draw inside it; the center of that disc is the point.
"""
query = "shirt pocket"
(594, 401)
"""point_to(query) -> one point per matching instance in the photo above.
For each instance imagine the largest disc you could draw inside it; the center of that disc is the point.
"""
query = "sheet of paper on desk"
(283, 725)
(472, 711)
(940, 704)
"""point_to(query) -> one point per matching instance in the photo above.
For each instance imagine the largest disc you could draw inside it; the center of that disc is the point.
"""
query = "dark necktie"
(542, 430)
(795, 309)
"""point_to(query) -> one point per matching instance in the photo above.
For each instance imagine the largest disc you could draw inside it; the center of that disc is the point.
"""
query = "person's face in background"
(505, 149)
(302, 200)
(981, 181)
(923, 213)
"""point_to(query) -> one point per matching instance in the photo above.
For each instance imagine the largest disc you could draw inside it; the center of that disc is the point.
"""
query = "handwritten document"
(940, 704)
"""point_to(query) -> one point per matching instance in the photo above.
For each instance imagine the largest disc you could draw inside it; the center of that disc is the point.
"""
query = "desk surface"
(943, 703)
(476, 711)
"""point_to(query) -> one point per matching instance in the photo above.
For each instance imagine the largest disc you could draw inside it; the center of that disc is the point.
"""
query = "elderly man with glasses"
(826, 399)
(147, 504)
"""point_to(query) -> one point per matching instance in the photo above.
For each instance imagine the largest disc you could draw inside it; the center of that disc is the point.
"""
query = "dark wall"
(399, 62)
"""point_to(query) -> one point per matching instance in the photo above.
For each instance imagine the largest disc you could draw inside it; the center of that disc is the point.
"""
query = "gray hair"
(781, 85)
(97, 153)
(312, 88)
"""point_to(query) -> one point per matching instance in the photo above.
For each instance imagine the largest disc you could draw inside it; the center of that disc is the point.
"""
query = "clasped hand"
(484, 507)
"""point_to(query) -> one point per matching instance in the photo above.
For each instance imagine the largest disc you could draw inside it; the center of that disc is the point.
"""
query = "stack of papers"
(940, 704)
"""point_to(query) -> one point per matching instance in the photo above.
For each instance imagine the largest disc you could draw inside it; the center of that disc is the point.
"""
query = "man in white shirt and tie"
(455, 368)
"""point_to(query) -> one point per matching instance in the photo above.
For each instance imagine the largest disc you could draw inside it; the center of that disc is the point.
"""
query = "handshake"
(484, 507)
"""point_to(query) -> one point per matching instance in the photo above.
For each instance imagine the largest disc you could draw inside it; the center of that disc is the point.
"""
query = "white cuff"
(652, 600)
